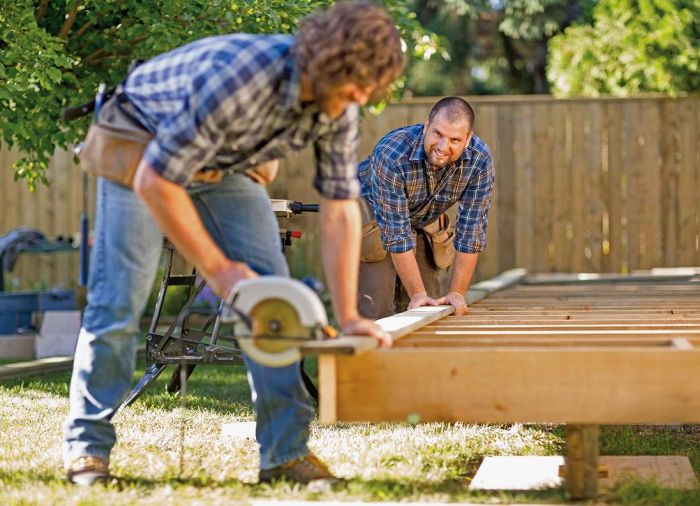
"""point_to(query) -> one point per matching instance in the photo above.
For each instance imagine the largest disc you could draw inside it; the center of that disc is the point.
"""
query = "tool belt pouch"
(265, 173)
(114, 145)
(113, 153)
(372, 249)
(440, 235)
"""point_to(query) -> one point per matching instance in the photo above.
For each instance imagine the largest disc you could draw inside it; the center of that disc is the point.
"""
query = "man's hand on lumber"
(421, 299)
(455, 299)
(365, 327)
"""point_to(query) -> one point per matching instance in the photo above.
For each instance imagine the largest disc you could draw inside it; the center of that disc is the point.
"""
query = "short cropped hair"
(455, 108)
(351, 42)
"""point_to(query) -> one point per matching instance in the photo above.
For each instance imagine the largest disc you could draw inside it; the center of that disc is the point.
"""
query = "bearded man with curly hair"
(217, 108)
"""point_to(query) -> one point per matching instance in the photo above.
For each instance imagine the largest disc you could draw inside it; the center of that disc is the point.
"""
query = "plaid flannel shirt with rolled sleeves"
(232, 102)
(397, 180)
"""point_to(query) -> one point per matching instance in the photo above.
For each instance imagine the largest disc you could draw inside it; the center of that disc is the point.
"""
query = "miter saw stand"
(201, 336)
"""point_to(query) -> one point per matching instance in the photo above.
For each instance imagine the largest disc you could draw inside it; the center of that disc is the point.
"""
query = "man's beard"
(432, 160)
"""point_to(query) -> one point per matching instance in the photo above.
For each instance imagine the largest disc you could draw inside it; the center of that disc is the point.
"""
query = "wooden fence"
(583, 185)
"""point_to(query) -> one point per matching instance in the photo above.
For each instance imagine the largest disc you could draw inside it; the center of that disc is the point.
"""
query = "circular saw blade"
(276, 331)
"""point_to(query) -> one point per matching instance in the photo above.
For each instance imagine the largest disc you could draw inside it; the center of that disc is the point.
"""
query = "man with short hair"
(412, 177)
(215, 108)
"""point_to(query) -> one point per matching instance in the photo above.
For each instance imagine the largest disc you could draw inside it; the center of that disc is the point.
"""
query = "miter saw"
(276, 319)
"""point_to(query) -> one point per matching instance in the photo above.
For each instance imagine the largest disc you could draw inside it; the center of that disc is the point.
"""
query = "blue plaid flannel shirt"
(232, 102)
(397, 180)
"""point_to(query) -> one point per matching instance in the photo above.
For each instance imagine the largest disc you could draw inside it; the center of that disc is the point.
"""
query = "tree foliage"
(537, 20)
(495, 46)
(631, 46)
(55, 53)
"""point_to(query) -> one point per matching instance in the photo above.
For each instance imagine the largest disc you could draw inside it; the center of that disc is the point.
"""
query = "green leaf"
(54, 74)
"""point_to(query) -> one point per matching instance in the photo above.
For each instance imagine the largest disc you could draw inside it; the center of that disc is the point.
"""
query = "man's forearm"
(406, 267)
(340, 252)
(175, 214)
(462, 272)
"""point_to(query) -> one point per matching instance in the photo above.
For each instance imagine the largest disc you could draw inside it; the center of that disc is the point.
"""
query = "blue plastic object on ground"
(16, 308)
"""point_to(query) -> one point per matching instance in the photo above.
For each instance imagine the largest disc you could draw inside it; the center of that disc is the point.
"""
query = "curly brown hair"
(351, 42)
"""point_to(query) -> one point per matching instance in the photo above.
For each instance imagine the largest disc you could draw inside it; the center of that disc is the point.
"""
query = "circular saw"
(273, 316)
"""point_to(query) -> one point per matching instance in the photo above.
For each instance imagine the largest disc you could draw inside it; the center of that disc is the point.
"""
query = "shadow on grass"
(454, 489)
(635, 493)
(654, 440)
(200, 482)
(220, 389)
(630, 493)
(19, 479)
(55, 384)
(170, 402)
(451, 490)
(14, 478)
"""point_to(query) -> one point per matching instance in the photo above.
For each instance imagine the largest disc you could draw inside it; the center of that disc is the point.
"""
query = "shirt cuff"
(399, 245)
(470, 247)
(338, 189)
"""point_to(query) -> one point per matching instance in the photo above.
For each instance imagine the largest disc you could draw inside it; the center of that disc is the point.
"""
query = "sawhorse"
(209, 343)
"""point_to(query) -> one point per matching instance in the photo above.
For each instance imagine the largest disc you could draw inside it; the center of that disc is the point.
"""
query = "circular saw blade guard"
(282, 311)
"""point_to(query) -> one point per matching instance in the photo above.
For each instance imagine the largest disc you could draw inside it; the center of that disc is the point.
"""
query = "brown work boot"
(307, 469)
(87, 471)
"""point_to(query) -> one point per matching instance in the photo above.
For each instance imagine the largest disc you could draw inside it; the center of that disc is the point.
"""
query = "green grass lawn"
(168, 454)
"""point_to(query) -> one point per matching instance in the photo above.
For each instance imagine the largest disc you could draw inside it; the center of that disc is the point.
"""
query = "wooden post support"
(328, 392)
(582, 461)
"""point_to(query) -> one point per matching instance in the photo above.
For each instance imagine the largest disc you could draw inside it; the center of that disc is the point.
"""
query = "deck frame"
(612, 352)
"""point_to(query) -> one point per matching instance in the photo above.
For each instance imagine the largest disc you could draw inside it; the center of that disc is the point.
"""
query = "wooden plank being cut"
(404, 323)
(398, 326)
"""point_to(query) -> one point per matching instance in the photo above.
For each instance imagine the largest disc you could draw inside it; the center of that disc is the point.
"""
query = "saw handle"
(299, 207)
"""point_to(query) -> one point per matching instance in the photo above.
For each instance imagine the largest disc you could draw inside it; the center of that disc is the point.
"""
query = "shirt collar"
(467, 153)
(290, 83)
(290, 90)
(418, 152)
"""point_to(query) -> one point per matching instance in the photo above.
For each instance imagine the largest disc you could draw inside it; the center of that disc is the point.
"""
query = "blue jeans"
(127, 247)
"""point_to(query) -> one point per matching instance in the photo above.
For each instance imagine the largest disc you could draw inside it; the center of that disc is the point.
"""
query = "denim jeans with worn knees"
(124, 260)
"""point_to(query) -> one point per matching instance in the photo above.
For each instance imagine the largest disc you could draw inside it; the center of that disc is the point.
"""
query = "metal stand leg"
(153, 368)
(308, 383)
(152, 372)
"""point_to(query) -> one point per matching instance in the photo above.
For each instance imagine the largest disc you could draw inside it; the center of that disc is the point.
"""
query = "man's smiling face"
(444, 140)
